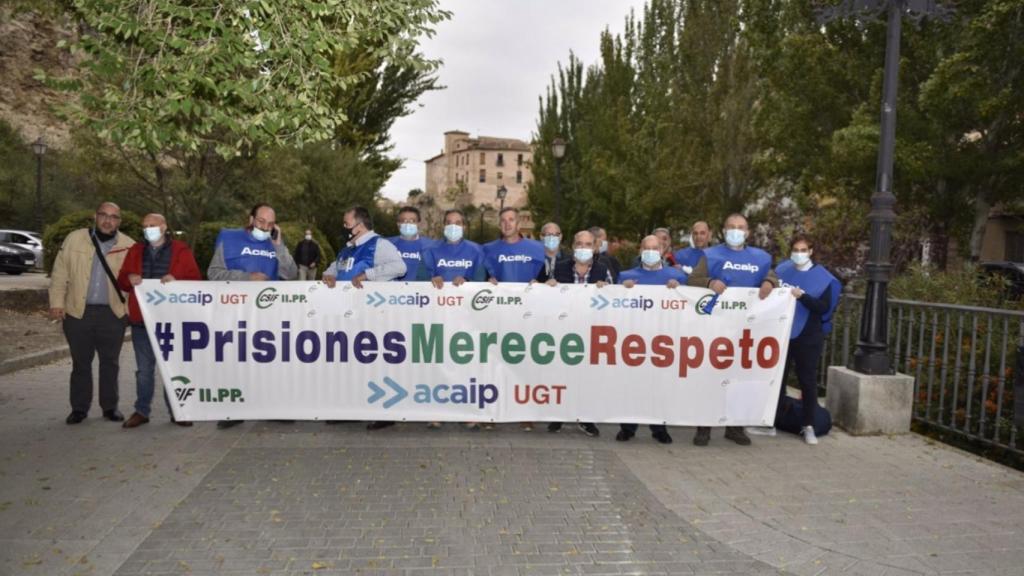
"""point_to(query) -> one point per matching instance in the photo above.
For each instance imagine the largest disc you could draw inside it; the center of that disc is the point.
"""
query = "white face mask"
(309, 236)
(583, 255)
(551, 242)
(800, 258)
(152, 234)
(260, 235)
(408, 229)
(650, 257)
(604, 247)
(735, 237)
(453, 232)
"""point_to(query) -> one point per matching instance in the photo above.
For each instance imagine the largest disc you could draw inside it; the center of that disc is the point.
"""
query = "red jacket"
(183, 267)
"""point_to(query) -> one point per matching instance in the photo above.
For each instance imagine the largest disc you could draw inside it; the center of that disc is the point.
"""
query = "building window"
(500, 176)
(519, 176)
(501, 159)
(483, 160)
(483, 175)
(519, 160)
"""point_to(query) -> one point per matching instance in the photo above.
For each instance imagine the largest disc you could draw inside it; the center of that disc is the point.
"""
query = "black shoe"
(624, 436)
(113, 415)
(589, 429)
(737, 435)
(702, 437)
(380, 424)
(662, 437)
(225, 424)
(555, 427)
(75, 417)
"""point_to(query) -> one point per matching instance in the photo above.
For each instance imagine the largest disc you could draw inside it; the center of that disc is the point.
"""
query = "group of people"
(97, 267)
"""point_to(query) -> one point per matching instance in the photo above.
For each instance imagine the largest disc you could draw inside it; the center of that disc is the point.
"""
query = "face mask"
(260, 235)
(453, 232)
(800, 258)
(735, 237)
(408, 229)
(309, 236)
(152, 234)
(604, 247)
(650, 257)
(552, 242)
(583, 255)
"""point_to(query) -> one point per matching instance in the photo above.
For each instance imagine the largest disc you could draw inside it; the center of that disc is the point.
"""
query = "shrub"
(965, 286)
(55, 233)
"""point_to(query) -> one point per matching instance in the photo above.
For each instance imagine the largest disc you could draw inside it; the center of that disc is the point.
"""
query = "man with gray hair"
(84, 295)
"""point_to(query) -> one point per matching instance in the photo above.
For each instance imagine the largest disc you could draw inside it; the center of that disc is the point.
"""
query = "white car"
(27, 240)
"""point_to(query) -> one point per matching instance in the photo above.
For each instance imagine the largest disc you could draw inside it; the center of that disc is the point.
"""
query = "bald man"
(700, 239)
(84, 295)
(158, 257)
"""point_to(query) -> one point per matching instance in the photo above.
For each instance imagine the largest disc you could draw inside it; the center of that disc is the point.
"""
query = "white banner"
(478, 352)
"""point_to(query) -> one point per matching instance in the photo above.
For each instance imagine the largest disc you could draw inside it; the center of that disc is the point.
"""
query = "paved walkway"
(30, 280)
(305, 498)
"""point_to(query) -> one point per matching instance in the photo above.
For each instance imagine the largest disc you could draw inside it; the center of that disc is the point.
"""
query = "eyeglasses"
(264, 223)
(105, 216)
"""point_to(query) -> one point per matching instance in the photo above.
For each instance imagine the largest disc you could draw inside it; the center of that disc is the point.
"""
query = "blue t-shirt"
(243, 252)
(689, 257)
(354, 260)
(746, 268)
(447, 260)
(412, 253)
(517, 262)
(658, 277)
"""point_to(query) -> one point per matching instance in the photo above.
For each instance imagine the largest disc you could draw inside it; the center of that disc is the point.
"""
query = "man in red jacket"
(160, 256)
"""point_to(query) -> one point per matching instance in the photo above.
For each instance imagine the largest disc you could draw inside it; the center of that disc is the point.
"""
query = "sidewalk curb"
(34, 359)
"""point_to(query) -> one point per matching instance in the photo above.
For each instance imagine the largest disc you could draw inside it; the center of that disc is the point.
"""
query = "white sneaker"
(809, 436)
(761, 430)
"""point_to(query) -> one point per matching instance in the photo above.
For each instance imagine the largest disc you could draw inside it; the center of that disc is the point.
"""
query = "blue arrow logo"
(378, 392)
(599, 302)
(375, 299)
(155, 300)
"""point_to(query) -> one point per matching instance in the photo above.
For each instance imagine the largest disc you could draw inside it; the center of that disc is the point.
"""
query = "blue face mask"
(260, 235)
(408, 229)
(583, 255)
(551, 242)
(650, 257)
(735, 237)
(152, 234)
(800, 258)
(453, 232)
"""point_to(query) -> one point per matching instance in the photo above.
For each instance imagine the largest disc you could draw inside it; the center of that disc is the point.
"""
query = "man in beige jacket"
(93, 310)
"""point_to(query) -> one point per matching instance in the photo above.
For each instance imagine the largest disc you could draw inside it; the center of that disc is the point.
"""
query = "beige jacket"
(69, 280)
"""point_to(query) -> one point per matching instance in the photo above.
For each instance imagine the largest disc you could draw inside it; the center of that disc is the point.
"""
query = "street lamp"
(483, 210)
(502, 192)
(558, 151)
(39, 147)
(872, 356)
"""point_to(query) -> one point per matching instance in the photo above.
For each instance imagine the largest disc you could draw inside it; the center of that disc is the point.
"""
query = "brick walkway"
(267, 498)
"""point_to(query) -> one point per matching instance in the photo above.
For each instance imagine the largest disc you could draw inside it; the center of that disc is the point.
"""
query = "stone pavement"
(305, 498)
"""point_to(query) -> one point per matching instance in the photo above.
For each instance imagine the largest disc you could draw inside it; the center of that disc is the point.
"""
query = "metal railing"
(962, 359)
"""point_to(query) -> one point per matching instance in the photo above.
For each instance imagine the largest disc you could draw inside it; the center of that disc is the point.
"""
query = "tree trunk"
(981, 211)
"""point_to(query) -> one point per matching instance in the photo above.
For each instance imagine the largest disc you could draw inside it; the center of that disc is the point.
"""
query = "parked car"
(26, 239)
(1012, 271)
(14, 259)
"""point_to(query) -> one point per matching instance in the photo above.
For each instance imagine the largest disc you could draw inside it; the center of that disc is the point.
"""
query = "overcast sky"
(498, 56)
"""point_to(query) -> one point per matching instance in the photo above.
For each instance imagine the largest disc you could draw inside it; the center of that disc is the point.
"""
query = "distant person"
(551, 237)
(159, 257)
(307, 256)
(410, 243)
(256, 253)
(84, 295)
(604, 256)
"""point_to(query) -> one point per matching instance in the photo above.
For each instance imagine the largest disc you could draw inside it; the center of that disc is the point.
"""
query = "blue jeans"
(145, 369)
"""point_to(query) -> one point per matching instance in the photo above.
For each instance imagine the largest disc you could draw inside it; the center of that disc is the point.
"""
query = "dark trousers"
(145, 373)
(101, 333)
(631, 428)
(804, 355)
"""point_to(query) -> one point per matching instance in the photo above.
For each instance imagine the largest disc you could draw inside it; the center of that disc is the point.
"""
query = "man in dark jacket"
(307, 256)
(160, 256)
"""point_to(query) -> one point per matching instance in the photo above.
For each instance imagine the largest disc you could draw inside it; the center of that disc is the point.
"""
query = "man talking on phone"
(256, 252)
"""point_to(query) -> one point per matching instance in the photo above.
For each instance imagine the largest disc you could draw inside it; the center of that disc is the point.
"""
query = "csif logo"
(709, 303)
(269, 296)
(184, 390)
(484, 298)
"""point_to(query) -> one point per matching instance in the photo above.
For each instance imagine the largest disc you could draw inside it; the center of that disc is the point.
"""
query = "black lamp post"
(872, 356)
(483, 211)
(502, 193)
(39, 147)
(558, 151)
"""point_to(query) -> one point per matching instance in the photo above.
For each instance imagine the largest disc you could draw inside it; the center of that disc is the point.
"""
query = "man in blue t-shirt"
(700, 238)
(512, 258)
(454, 259)
(653, 271)
(409, 242)
(734, 264)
